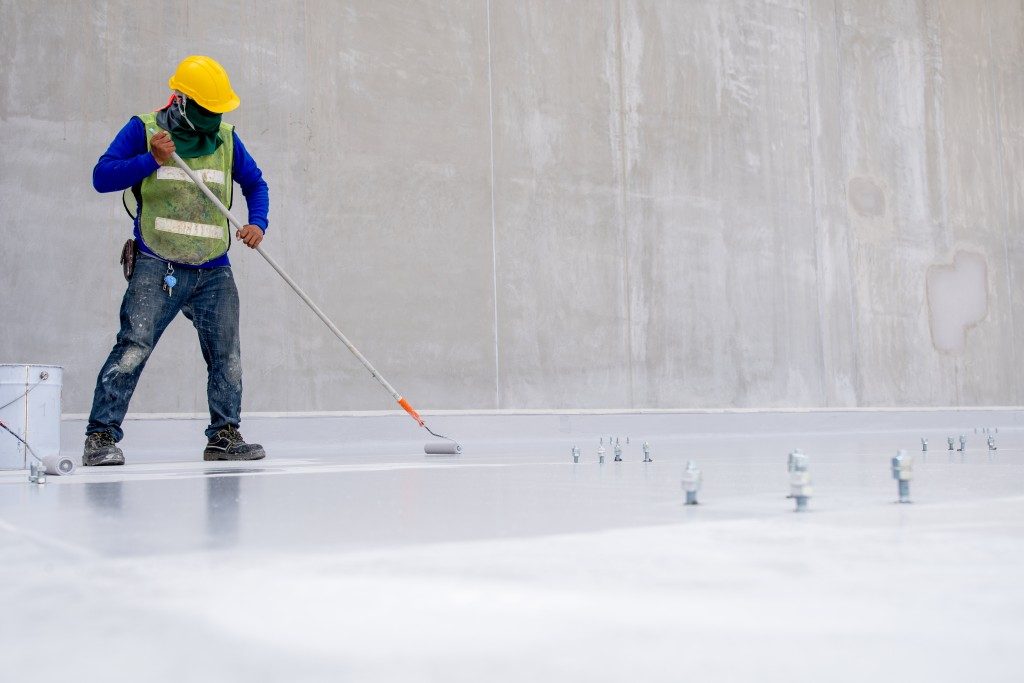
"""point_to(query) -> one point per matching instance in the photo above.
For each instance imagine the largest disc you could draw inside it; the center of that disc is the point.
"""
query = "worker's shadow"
(222, 495)
(105, 496)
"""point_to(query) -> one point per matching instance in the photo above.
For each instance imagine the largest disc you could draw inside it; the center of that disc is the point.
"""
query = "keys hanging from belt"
(169, 280)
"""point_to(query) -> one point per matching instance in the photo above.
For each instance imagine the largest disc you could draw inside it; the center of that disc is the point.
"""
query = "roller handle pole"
(298, 290)
(305, 297)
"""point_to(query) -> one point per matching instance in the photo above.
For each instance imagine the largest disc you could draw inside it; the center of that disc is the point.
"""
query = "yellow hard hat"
(206, 82)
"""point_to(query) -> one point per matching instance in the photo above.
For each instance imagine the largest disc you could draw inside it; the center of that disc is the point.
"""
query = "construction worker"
(181, 243)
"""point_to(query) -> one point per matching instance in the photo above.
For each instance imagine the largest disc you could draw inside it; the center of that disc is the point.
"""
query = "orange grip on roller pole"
(412, 411)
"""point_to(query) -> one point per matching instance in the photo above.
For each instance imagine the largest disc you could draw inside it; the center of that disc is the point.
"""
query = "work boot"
(101, 449)
(228, 444)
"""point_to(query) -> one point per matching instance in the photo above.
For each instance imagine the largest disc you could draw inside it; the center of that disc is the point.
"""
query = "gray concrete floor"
(510, 563)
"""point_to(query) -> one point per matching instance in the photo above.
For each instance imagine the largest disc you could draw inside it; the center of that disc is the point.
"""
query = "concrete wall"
(551, 204)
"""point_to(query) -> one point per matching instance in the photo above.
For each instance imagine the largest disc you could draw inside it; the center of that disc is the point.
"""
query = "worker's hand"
(251, 235)
(160, 146)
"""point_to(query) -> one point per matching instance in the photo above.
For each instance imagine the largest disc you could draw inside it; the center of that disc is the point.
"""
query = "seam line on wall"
(932, 26)
(626, 290)
(935, 81)
(1003, 193)
(847, 225)
(827, 369)
(517, 412)
(494, 230)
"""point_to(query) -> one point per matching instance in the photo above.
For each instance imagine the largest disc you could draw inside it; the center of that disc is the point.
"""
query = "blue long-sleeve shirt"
(127, 162)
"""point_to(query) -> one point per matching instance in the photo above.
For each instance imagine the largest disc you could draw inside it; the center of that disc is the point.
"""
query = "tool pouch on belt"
(128, 253)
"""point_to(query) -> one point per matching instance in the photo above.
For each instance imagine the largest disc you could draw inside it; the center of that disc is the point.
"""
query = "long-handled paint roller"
(449, 447)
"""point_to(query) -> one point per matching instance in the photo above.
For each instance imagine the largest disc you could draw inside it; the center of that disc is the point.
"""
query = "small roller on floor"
(442, 448)
(447, 446)
(58, 465)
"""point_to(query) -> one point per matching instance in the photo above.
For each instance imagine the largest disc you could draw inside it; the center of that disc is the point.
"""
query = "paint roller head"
(58, 465)
(442, 448)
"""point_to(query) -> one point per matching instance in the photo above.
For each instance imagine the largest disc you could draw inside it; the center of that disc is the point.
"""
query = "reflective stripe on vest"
(178, 222)
(212, 232)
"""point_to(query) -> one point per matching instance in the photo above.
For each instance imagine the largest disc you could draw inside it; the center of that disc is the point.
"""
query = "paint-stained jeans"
(210, 300)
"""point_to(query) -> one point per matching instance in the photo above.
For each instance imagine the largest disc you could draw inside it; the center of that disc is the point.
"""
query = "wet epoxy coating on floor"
(515, 564)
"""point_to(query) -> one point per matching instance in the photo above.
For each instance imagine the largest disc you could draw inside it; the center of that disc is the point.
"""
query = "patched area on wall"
(957, 299)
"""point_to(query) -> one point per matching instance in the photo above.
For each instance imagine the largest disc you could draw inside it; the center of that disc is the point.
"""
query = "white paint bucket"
(33, 413)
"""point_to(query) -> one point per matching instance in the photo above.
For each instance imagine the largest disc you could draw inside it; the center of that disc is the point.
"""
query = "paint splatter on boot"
(101, 449)
(228, 444)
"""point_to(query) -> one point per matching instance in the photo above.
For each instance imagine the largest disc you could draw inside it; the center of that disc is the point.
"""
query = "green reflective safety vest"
(178, 222)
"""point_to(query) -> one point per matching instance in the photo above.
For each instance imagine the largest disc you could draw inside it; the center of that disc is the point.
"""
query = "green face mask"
(204, 120)
(195, 140)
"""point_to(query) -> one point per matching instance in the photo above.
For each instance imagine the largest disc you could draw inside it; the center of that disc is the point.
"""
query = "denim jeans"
(209, 299)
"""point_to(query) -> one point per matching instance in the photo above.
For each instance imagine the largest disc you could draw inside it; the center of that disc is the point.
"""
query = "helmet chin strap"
(180, 99)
